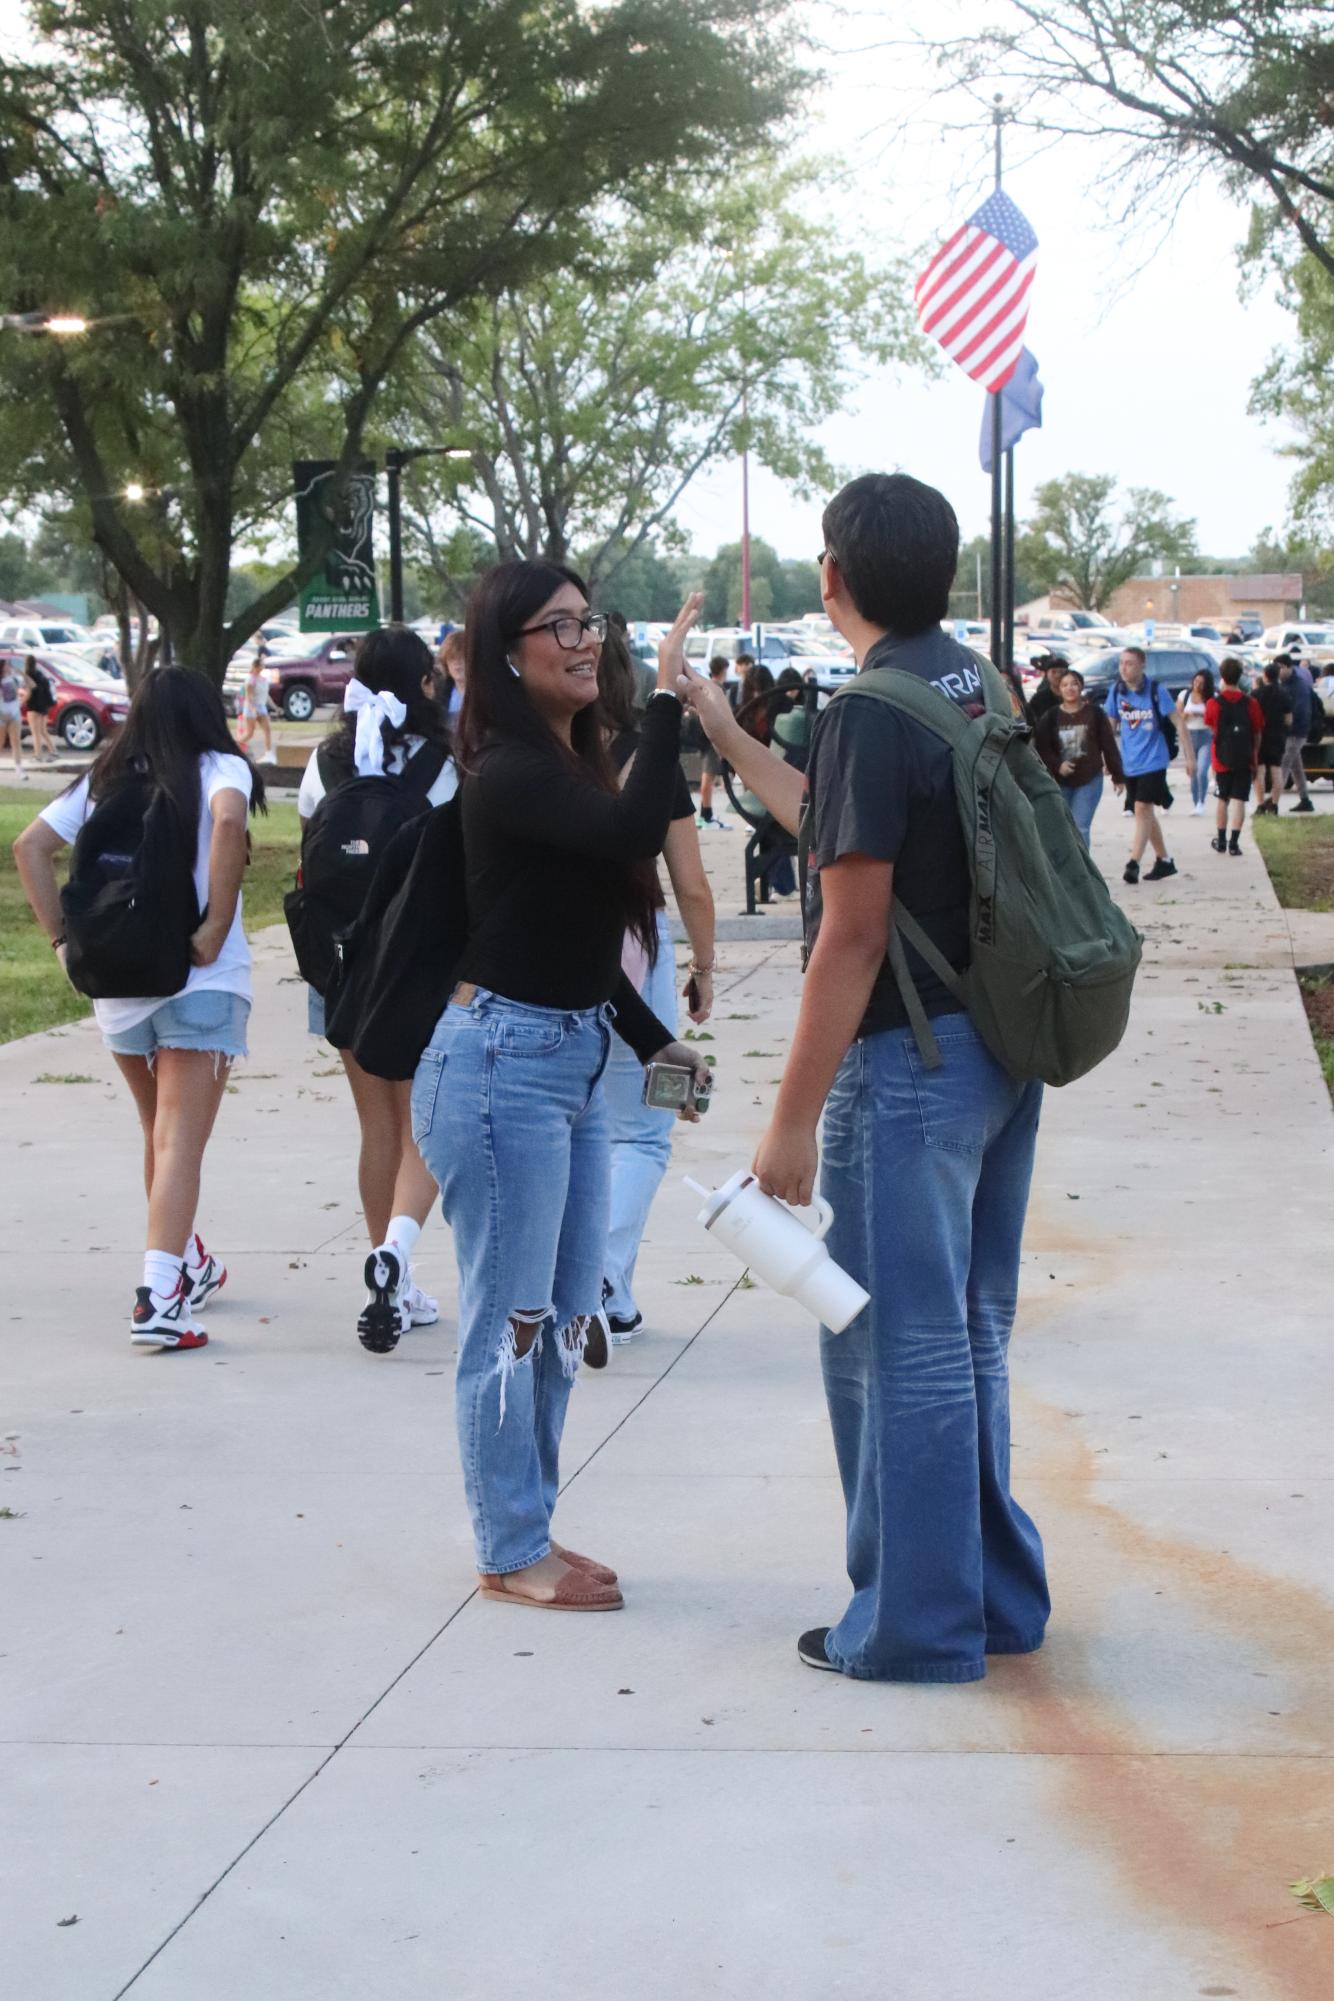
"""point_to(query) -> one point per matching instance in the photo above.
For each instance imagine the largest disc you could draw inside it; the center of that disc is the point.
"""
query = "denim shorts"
(314, 1011)
(205, 1019)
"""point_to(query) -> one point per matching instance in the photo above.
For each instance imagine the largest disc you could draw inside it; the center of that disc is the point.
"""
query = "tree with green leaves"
(665, 341)
(1081, 541)
(780, 587)
(260, 208)
(1170, 87)
(1297, 389)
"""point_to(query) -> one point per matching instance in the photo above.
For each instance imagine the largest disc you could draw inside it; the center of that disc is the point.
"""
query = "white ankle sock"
(403, 1233)
(162, 1272)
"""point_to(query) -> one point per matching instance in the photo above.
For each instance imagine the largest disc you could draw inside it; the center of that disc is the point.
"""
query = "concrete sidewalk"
(261, 1741)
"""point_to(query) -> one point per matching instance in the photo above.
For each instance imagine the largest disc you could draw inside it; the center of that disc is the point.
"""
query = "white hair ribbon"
(372, 710)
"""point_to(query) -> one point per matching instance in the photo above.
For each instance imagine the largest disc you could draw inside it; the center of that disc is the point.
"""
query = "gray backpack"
(1052, 958)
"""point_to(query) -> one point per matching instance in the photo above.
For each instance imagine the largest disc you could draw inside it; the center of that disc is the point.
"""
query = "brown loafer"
(573, 1591)
(602, 1571)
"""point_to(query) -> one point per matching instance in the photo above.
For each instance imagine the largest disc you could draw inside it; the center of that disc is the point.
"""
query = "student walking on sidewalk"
(1077, 744)
(393, 728)
(1298, 687)
(172, 766)
(927, 1170)
(1237, 723)
(507, 1105)
(1191, 706)
(1142, 709)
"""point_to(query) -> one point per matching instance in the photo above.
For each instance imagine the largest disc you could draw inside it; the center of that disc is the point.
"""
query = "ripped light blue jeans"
(509, 1115)
(927, 1172)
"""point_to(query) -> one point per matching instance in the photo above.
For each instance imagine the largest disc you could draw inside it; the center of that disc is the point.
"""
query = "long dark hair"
(394, 660)
(617, 687)
(497, 707)
(175, 717)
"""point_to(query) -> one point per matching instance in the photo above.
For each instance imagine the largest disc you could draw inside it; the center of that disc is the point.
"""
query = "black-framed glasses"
(826, 552)
(569, 629)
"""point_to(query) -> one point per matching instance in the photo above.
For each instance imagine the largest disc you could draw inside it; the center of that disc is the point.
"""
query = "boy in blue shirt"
(1139, 707)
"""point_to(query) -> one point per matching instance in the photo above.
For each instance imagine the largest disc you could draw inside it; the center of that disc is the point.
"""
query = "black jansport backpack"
(1234, 740)
(341, 847)
(130, 906)
(395, 965)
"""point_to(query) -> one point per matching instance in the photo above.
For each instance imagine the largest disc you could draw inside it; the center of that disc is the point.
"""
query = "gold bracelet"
(703, 969)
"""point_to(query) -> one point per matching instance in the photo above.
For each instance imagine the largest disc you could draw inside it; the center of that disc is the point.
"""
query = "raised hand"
(672, 649)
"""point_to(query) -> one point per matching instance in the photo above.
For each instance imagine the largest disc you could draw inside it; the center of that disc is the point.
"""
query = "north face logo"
(356, 847)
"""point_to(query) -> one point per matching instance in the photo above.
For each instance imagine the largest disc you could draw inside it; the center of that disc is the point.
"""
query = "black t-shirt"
(1276, 708)
(543, 843)
(881, 785)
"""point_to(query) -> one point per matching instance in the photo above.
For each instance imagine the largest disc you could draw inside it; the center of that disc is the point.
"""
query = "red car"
(88, 703)
(304, 674)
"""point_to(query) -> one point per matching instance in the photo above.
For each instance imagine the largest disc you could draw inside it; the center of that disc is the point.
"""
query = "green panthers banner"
(341, 596)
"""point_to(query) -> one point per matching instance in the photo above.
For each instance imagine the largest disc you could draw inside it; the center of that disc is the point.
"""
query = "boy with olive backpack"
(963, 950)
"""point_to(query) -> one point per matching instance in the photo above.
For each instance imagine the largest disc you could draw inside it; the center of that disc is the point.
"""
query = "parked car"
(88, 703)
(305, 673)
(35, 634)
(1315, 643)
(1176, 665)
(775, 647)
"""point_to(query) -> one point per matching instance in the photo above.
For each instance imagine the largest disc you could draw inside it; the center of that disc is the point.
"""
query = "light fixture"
(66, 323)
(134, 491)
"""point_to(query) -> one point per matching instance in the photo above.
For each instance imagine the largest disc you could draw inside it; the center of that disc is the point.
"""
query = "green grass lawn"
(1299, 855)
(34, 993)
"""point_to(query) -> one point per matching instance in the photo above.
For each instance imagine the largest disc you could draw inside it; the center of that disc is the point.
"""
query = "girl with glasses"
(507, 1106)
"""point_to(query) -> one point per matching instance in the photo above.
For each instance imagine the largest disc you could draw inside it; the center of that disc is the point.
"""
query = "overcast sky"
(1147, 372)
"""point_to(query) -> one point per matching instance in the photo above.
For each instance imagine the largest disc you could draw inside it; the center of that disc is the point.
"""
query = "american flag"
(973, 295)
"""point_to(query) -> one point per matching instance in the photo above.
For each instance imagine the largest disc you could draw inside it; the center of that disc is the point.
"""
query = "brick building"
(1271, 595)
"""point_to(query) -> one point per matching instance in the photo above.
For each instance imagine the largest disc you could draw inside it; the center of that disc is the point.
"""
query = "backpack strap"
(941, 715)
(424, 767)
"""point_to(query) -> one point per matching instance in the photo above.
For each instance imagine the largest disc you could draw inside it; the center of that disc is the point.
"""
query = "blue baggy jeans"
(928, 1173)
(1083, 801)
(641, 1138)
(509, 1115)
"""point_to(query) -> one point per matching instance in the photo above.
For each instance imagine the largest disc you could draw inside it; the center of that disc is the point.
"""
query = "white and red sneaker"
(165, 1323)
(205, 1273)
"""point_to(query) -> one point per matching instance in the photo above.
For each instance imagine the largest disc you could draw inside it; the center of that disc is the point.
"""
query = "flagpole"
(1008, 600)
(997, 477)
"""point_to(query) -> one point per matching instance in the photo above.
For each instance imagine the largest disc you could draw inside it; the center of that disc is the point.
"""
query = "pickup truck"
(304, 674)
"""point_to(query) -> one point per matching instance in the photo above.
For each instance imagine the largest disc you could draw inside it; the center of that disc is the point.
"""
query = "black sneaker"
(1234, 846)
(1302, 806)
(623, 1330)
(1219, 844)
(597, 1345)
(810, 1648)
(1160, 871)
(381, 1323)
(1131, 872)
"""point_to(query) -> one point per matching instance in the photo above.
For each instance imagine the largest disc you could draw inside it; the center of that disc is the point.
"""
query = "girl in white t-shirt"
(391, 711)
(255, 709)
(174, 1051)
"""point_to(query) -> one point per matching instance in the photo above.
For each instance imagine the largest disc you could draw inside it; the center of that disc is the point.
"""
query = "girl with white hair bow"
(391, 713)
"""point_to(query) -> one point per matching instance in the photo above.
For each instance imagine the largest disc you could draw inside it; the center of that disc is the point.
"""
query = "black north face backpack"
(1234, 740)
(130, 906)
(341, 847)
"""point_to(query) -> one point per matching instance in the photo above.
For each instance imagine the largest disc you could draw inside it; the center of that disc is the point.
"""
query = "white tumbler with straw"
(780, 1249)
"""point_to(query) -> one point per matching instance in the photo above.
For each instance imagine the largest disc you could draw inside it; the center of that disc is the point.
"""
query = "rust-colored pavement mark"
(1203, 1837)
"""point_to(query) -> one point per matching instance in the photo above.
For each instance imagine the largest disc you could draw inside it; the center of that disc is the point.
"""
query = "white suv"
(40, 633)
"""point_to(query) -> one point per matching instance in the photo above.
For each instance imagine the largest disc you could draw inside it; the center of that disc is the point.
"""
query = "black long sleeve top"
(545, 916)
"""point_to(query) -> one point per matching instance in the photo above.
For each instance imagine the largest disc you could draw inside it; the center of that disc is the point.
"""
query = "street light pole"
(997, 477)
(394, 461)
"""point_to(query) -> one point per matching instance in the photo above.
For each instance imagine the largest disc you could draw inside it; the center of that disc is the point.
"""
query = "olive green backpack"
(1052, 958)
